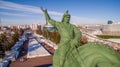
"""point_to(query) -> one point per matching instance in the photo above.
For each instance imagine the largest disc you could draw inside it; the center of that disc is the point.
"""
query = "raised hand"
(51, 21)
(44, 10)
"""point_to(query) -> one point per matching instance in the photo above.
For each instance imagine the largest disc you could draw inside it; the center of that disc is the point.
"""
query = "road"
(40, 61)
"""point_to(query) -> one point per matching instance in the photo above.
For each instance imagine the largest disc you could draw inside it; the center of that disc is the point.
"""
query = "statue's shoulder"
(60, 23)
(57, 23)
(72, 25)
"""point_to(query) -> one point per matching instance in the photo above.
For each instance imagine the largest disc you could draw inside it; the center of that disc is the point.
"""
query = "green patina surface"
(69, 54)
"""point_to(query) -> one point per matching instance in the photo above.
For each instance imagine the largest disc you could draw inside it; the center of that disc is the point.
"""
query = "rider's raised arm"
(48, 18)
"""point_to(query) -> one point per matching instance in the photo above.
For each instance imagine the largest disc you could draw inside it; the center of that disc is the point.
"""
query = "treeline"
(54, 36)
(107, 36)
(8, 39)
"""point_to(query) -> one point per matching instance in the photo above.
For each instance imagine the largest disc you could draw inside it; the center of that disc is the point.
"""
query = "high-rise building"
(35, 26)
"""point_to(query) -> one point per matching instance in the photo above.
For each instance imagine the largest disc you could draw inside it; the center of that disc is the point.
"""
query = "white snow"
(35, 49)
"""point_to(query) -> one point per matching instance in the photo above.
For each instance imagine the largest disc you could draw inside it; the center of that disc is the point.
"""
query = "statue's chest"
(65, 28)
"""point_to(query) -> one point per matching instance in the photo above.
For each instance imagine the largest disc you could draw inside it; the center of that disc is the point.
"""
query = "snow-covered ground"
(35, 49)
(48, 42)
(114, 40)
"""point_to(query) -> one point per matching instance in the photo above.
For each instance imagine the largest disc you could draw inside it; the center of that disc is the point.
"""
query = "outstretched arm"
(51, 21)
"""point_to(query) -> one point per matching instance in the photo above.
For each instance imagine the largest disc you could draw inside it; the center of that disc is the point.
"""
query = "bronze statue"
(69, 54)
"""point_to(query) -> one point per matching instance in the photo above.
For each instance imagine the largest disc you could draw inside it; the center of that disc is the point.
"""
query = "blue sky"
(14, 12)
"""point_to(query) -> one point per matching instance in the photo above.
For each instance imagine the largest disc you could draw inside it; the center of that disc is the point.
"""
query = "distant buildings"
(111, 22)
(22, 26)
(46, 26)
(116, 23)
(34, 26)
(25, 26)
(112, 28)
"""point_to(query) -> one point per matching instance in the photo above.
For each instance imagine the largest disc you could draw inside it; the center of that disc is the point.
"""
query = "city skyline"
(14, 12)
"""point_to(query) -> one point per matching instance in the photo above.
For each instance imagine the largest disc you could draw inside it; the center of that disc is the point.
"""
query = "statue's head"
(66, 17)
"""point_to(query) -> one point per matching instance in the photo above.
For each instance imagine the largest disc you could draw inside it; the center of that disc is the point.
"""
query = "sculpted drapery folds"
(69, 54)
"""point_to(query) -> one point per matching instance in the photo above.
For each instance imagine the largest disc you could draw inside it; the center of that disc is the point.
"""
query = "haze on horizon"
(14, 12)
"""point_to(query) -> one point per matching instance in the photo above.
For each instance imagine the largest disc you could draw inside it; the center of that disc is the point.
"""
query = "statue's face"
(67, 19)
